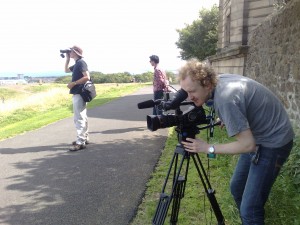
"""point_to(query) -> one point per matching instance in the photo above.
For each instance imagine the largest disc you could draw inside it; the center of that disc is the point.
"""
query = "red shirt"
(159, 80)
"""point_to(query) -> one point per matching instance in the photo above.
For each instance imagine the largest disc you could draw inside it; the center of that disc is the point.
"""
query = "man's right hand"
(67, 70)
(68, 56)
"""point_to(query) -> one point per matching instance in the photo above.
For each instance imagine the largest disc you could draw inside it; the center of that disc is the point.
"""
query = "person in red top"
(160, 82)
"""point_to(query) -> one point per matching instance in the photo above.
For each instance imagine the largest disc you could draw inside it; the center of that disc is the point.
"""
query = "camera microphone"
(148, 104)
(181, 95)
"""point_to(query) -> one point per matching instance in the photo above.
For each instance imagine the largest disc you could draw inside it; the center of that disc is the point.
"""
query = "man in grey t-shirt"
(242, 104)
(258, 121)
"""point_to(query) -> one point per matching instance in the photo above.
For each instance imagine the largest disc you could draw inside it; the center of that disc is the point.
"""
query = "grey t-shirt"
(242, 103)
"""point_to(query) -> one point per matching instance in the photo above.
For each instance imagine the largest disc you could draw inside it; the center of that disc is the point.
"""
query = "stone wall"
(237, 19)
(273, 57)
(231, 65)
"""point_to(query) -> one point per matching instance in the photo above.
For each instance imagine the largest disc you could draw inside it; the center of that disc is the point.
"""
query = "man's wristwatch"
(211, 152)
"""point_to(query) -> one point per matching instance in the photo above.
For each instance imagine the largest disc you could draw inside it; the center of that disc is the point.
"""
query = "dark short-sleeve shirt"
(77, 69)
(243, 103)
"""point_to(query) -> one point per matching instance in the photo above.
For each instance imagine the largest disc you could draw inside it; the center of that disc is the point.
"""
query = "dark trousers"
(158, 95)
(251, 182)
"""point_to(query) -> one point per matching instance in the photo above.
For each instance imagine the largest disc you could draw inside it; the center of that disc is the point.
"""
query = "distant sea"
(34, 74)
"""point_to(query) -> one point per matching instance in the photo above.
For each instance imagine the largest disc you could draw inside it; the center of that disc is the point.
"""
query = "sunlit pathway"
(41, 182)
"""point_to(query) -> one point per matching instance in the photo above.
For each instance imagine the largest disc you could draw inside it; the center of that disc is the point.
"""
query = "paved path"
(41, 182)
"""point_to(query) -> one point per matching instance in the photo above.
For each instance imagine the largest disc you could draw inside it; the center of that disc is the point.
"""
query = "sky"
(115, 35)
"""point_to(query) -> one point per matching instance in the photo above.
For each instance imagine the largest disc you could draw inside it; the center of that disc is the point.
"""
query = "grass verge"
(282, 207)
(36, 115)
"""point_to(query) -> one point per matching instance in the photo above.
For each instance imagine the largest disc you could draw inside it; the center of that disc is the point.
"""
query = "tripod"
(179, 181)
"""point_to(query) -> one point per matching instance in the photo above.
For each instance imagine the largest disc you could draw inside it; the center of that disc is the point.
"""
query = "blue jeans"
(252, 181)
(158, 95)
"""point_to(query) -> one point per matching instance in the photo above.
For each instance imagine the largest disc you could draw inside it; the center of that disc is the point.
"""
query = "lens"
(153, 122)
(163, 121)
(190, 118)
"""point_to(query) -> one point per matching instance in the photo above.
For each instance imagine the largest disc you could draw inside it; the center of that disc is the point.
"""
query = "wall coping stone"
(235, 52)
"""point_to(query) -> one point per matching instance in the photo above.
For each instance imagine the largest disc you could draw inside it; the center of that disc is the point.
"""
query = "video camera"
(64, 51)
(186, 127)
(190, 118)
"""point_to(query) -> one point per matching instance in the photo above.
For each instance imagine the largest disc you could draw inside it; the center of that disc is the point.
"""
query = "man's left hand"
(195, 145)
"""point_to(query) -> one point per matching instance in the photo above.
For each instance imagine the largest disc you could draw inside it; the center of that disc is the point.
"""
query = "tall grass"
(35, 106)
(39, 101)
(7, 93)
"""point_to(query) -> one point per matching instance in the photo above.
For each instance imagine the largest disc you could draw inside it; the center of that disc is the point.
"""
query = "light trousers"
(80, 119)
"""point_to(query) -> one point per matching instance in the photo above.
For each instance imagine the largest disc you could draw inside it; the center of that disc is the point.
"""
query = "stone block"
(259, 4)
(260, 12)
(296, 71)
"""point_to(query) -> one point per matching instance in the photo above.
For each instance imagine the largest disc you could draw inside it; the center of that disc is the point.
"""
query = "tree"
(99, 78)
(171, 77)
(64, 79)
(144, 77)
(199, 40)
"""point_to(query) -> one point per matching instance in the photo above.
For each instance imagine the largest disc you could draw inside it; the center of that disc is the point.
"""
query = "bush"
(125, 77)
(99, 78)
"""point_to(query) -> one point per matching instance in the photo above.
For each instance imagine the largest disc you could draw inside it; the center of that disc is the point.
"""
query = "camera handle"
(172, 88)
(179, 183)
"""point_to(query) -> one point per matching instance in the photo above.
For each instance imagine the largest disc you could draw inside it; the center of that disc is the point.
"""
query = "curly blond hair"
(199, 72)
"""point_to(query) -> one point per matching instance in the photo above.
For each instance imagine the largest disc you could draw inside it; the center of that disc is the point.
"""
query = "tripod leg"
(208, 189)
(161, 210)
(178, 186)
(177, 196)
(179, 190)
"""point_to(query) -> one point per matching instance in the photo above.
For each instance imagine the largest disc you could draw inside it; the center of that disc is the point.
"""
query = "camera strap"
(210, 101)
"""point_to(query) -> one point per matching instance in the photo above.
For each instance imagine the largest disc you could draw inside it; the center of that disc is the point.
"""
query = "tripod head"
(191, 130)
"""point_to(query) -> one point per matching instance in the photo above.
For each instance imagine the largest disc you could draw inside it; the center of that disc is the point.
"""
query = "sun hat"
(77, 50)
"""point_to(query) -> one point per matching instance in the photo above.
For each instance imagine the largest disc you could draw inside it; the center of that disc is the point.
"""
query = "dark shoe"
(74, 143)
(76, 147)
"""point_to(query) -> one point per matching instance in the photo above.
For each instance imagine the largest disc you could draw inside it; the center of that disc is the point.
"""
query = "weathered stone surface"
(274, 57)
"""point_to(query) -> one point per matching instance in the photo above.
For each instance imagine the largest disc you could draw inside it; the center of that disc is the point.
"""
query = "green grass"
(34, 117)
(281, 209)
(112, 92)
(7, 93)
(42, 87)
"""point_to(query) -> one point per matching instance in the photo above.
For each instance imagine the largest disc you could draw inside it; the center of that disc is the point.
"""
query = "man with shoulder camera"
(256, 118)
(80, 75)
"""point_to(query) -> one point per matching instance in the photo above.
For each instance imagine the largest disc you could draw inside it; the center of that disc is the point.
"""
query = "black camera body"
(64, 51)
(189, 118)
(186, 121)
